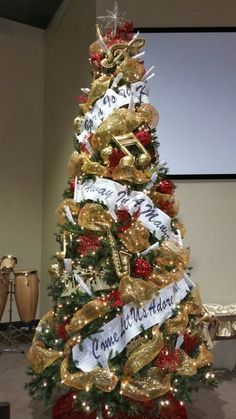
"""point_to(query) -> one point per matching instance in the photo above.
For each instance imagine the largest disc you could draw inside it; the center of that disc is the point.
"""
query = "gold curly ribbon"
(103, 379)
(145, 353)
(153, 385)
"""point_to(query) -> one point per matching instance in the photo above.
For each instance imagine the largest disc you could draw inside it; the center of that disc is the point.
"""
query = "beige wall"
(66, 71)
(21, 137)
(207, 208)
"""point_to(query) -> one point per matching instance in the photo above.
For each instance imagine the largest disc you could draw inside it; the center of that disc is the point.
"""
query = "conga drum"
(4, 286)
(26, 289)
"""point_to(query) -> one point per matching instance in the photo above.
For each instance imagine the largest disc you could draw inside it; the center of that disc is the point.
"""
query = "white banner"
(113, 337)
(115, 195)
(112, 100)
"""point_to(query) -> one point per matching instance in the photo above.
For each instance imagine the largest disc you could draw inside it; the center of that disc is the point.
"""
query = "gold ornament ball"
(127, 161)
(105, 153)
(77, 124)
(143, 160)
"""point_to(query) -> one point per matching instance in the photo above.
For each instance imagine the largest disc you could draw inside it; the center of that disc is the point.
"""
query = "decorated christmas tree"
(126, 336)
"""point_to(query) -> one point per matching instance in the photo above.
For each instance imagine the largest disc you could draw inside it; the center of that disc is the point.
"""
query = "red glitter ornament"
(141, 267)
(166, 186)
(114, 158)
(191, 342)
(168, 359)
(144, 137)
(126, 27)
(61, 330)
(86, 244)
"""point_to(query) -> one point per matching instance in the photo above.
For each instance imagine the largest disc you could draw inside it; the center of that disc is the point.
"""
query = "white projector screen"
(194, 90)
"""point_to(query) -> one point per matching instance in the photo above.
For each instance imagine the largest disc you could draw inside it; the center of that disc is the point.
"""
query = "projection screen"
(194, 90)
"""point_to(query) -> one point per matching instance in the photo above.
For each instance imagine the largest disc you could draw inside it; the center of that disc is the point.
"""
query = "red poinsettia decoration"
(173, 410)
(141, 267)
(168, 359)
(63, 408)
(96, 58)
(124, 220)
(191, 342)
(168, 207)
(166, 186)
(86, 244)
(61, 330)
(144, 137)
(114, 158)
(114, 299)
(82, 98)
(72, 185)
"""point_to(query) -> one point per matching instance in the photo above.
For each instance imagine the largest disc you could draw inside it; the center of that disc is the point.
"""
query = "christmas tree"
(127, 333)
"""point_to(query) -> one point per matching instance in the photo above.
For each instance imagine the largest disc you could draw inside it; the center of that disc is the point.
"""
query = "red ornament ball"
(72, 185)
(174, 410)
(114, 299)
(144, 137)
(63, 408)
(166, 186)
(141, 267)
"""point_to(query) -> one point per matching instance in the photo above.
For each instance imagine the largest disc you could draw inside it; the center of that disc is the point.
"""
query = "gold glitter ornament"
(145, 353)
(132, 70)
(55, 271)
(78, 123)
(91, 167)
(121, 121)
(94, 217)
(153, 385)
(148, 114)
(135, 238)
(98, 89)
(136, 290)
(105, 153)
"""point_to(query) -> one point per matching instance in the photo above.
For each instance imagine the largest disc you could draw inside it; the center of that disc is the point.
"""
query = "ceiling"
(37, 13)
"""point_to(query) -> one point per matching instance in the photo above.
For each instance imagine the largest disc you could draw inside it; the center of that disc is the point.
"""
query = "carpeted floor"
(208, 404)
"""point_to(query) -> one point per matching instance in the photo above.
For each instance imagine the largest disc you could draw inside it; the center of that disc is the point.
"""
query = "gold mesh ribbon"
(131, 70)
(89, 312)
(148, 114)
(194, 305)
(178, 324)
(164, 278)
(153, 385)
(136, 290)
(131, 174)
(101, 378)
(188, 365)
(60, 213)
(135, 238)
(38, 356)
(93, 217)
(204, 357)
(145, 353)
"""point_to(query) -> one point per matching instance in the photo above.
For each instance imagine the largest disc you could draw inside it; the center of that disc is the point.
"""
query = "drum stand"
(12, 333)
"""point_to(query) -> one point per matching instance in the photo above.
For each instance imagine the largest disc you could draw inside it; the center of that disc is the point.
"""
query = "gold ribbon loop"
(87, 314)
(145, 353)
(136, 290)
